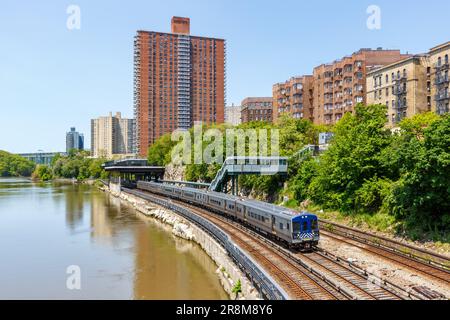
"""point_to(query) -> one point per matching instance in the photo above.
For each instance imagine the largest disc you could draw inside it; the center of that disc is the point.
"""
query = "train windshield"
(314, 224)
(296, 227)
(305, 226)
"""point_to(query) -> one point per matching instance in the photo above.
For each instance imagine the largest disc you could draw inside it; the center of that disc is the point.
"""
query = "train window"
(314, 224)
(287, 226)
(304, 226)
(281, 226)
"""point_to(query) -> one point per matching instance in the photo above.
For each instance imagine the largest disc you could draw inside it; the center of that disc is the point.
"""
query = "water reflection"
(122, 255)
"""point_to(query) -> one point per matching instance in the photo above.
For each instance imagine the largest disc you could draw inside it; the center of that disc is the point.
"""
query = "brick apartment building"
(339, 86)
(439, 73)
(413, 85)
(256, 109)
(404, 87)
(178, 79)
(294, 96)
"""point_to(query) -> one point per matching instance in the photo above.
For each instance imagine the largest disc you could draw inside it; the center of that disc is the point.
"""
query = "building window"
(387, 78)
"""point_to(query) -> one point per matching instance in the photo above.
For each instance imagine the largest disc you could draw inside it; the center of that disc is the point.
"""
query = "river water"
(65, 241)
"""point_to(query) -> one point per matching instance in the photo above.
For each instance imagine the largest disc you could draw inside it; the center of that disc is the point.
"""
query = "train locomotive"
(298, 230)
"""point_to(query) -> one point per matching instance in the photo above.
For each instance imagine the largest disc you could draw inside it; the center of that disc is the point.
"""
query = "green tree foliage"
(302, 177)
(43, 173)
(422, 194)
(352, 161)
(386, 174)
(78, 165)
(12, 165)
(159, 152)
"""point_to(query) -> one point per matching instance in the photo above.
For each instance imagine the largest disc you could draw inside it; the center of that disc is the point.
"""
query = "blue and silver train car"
(294, 228)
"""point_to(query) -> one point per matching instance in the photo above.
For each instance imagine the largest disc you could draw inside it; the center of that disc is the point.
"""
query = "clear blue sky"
(52, 78)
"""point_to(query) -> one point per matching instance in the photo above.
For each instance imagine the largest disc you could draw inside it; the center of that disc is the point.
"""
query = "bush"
(42, 173)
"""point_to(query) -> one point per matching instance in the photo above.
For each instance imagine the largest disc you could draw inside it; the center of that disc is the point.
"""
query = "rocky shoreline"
(228, 272)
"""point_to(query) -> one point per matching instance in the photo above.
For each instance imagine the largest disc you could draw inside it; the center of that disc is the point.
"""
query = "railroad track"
(409, 251)
(322, 277)
(359, 284)
(428, 270)
(299, 284)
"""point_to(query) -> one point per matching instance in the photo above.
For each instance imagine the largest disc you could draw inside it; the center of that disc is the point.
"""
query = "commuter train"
(300, 230)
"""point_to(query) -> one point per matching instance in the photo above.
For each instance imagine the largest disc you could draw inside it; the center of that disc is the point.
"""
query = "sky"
(53, 77)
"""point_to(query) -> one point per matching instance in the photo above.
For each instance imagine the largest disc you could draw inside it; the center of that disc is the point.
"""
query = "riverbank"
(228, 272)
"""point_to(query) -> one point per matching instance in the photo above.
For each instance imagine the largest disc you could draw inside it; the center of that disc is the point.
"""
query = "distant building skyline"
(74, 140)
(88, 72)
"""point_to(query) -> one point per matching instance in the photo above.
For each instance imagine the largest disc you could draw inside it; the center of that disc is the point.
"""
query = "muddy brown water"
(47, 227)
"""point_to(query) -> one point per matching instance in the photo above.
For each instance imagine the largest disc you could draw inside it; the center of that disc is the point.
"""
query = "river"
(69, 241)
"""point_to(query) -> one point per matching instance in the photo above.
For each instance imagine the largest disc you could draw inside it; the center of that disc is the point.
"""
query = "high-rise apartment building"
(295, 97)
(339, 86)
(74, 140)
(178, 79)
(439, 73)
(256, 109)
(112, 135)
(404, 87)
(233, 115)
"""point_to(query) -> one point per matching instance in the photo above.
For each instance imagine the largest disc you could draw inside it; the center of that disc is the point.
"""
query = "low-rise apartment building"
(439, 69)
(404, 87)
(256, 109)
(413, 85)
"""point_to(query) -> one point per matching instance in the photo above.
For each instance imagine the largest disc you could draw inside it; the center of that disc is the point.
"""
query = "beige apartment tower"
(404, 87)
(112, 136)
(416, 84)
(439, 69)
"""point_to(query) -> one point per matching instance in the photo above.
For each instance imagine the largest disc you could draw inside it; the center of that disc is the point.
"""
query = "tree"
(159, 152)
(43, 173)
(12, 165)
(422, 195)
(352, 160)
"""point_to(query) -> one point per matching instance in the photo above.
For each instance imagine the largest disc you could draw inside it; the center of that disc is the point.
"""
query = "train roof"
(274, 209)
(256, 204)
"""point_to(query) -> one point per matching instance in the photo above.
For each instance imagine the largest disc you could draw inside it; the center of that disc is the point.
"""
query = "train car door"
(273, 224)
